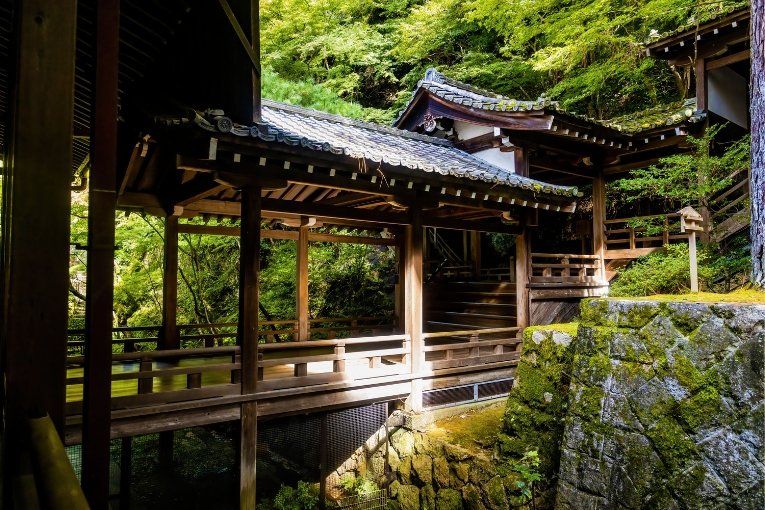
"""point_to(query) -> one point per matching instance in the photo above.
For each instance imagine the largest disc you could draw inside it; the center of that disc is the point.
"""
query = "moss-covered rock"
(408, 496)
(449, 499)
(422, 469)
(427, 498)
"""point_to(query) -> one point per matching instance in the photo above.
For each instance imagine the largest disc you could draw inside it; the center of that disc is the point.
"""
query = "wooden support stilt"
(413, 305)
(522, 262)
(169, 338)
(36, 210)
(102, 201)
(598, 225)
(248, 340)
(126, 471)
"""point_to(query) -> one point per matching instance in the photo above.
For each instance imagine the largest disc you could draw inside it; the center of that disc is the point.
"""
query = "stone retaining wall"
(665, 408)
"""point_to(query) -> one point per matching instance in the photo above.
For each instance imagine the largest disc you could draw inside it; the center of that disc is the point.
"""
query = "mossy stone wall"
(665, 407)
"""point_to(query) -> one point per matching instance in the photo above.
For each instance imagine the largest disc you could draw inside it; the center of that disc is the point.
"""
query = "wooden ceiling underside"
(169, 178)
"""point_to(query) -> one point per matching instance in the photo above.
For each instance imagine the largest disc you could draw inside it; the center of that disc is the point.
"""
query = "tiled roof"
(464, 94)
(472, 97)
(680, 112)
(334, 134)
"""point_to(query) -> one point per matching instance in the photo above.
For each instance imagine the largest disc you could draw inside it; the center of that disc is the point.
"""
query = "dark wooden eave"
(726, 36)
(297, 181)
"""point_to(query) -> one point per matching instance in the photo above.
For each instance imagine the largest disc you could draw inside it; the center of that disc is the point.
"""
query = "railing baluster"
(146, 383)
(338, 365)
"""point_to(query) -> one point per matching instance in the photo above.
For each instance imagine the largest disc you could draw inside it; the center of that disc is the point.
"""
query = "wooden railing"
(730, 208)
(564, 268)
(623, 240)
(299, 364)
(470, 348)
(145, 338)
(152, 379)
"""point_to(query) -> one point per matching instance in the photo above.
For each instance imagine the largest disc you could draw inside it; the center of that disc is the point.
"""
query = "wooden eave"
(706, 40)
(425, 102)
(297, 181)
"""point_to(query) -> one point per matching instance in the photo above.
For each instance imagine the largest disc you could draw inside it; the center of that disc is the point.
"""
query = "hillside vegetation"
(587, 54)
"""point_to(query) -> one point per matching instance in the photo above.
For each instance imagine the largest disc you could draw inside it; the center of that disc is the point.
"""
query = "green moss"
(700, 407)
(676, 449)
(570, 328)
(594, 312)
(639, 315)
(588, 402)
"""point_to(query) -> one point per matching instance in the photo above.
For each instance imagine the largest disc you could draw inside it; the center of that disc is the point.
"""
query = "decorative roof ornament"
(429, 122)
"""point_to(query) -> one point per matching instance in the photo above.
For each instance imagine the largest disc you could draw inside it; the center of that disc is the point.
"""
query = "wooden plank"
(102, 201)
(471, 361)
(301, 381)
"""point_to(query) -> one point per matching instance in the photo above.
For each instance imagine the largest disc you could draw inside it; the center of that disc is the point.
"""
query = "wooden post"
(693, 261)
(701, 84)
(255, 42)
(400, 288)
(169, 338)
(475, 251)
(36, 219)
(598, 225)
(413, 305)
(99, 307)
(522, 279)
(248, 340)
(126, 471)
(302, 282)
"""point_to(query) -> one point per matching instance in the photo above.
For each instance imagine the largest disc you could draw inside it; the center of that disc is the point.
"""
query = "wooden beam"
(302, 281)
(247, 337)
(198, 188)
(521, 161)
(99, 305)
(522, 266)
(728, 59)
(414, 305)
(36, 215)
(169, 338)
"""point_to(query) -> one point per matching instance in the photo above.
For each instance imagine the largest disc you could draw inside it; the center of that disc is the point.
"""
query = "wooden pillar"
(475, 252)
(693, 261)
(400, 294)
(522, 261)
(169, 338)
(598, 222)
(35, 218)
(701, 84)
(247, 336)
(102, 201)
(413, 305)
(302, 281)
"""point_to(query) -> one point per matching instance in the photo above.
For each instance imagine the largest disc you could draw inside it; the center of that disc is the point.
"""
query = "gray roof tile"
(325, 132)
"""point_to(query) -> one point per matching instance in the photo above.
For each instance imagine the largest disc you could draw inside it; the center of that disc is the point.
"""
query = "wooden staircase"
(453, 306)
(729, 209)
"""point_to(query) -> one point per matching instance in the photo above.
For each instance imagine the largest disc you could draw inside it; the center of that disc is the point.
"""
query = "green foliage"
(528, 469)
(665, 272)
(358, 486)
(688, 178)
(303, 497)
(585, 53)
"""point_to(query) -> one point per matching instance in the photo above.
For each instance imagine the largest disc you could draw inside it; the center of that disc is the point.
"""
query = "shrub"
(664, 272)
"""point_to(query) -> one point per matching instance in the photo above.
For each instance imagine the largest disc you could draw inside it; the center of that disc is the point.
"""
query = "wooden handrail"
(56, 482)
(564, 255)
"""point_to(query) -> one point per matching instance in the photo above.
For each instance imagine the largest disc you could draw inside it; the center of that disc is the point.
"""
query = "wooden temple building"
(140, 93)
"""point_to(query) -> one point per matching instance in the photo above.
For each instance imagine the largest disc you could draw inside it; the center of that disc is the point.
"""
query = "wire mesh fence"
(373, 501)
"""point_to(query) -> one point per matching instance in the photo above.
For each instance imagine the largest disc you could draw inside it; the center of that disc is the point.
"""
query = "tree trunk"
(757, 105)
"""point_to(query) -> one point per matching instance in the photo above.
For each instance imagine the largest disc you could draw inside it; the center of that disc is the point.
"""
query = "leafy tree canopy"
(585, 53)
